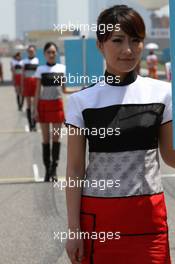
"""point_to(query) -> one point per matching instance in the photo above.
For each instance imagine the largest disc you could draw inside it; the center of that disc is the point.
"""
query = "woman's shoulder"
(153, 82)
(60, 67)
(35, 60)
(41, 68)
(155, 86)
(86, 93)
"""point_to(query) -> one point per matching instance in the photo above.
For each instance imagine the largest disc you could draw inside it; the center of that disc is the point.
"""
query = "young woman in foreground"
(49, 108)
(132, 201)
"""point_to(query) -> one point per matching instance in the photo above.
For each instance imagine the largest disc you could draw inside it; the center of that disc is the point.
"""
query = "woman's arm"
(37, 94)
(75, 171)
(63, 85)
(63, 88)
(166, 144)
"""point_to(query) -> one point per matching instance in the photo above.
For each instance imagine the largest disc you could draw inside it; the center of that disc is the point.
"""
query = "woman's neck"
(124, 78)
(51, 63)
(121, 75)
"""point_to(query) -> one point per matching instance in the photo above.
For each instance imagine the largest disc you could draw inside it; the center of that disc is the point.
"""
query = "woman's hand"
(64, 89)
(75, 250)
(76, 156)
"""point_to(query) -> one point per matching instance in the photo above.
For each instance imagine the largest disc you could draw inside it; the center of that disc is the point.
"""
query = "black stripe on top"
(30, 67)
(17, 66)
(51, 79)
(138, 123)
(112, 79)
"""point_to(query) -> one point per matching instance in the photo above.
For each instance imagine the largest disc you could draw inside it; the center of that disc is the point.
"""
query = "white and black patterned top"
(16, 66)
(30, 65)
(50, 76)
(138, 106)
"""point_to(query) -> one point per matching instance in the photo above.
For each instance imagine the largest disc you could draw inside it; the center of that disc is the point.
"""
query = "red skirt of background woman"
(17, 80)
(29, 87)
(51, 111)
(141, 222)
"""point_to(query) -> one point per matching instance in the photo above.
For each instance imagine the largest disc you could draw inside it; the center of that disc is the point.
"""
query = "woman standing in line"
(16, 68)
(130, 211)
(152, 65)
(49, 107)
(30, 65)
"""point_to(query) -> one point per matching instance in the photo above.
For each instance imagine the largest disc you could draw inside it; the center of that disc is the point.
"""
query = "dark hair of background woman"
(31, 46)
(48, 45)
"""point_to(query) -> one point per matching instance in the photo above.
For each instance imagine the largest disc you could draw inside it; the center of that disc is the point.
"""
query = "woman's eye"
(117, 40)
(136, 40)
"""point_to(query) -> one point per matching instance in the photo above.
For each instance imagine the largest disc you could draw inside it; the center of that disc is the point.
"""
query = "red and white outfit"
(168, 71)
(123, 191)
(50, 104)
(152, 65)
(29, 69)
(16, 66)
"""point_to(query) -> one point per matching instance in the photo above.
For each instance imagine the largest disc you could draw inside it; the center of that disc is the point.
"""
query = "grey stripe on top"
(121, 174)
(51, 92)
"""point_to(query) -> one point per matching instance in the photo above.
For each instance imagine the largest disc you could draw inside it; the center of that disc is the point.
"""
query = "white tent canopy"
(152, 46)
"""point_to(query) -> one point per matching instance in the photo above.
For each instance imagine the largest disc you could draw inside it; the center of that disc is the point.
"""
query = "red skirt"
(51, 111)
(138, 224)
(29, 87)
(17, 80)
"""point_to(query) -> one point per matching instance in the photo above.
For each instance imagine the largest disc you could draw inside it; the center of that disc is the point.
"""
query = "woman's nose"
(127, 47)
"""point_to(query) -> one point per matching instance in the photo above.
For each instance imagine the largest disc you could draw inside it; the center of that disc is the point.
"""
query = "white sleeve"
(64, 70)
(167, 114)
(38, 73)
(73, 113)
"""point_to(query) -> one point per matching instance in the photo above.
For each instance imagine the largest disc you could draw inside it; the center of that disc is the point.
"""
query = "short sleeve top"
(52, 78)
(121, 124)
(30, 66)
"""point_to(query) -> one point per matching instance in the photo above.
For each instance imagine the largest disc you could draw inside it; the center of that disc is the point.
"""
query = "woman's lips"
(126, 59)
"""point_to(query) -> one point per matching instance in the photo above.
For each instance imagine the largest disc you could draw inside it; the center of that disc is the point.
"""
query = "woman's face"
(31, 52)
(50, 54)
(18, 57)
(122, 52)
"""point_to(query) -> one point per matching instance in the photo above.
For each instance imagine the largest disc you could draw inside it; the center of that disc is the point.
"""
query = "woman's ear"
(100, 46)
